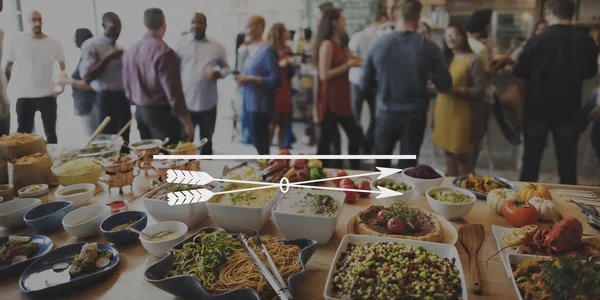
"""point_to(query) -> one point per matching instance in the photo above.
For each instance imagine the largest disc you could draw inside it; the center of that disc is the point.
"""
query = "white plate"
(442, 250)
(498, 232)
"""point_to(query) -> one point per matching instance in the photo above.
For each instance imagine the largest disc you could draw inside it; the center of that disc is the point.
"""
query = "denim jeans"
(259, 131)
(358, 98)
(206, 121)
(114, 104)
(406, 127)
(328, 129)
(26, 109)
(566, 137)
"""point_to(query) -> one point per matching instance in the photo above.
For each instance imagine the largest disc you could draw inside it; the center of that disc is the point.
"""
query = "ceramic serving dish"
(79, 199)
(161, 248)
(44, 244)
(40, 279)
(138, 219)
(12, 212)
(422, 185)
(47, 217)
(388, 201)
(189, 287)
(295, 225)
(451, 211)
(160, 210)
(457, 180)
(442, 250)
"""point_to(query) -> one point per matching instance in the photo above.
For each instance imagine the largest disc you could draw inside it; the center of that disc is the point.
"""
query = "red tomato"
(395, 225)
(284, 152)
(365, 185)
(383, 216)
(350, 197)
(348, 182)
(340, 173)
(519, 213)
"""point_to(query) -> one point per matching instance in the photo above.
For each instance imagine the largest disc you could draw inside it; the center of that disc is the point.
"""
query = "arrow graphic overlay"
(203, 195)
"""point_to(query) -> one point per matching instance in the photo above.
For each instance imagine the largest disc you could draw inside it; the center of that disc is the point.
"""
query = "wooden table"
(128, 278)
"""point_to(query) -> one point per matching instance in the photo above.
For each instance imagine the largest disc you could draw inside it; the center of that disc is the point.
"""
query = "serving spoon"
(145, 235)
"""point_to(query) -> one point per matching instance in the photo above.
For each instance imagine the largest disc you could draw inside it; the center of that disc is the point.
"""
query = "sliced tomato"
(350, 197)
(383, 216)
(395, 225)
(519, 213)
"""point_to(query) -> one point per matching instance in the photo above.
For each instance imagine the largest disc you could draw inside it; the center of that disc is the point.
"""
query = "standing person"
(84, 97)
(203, 63)
(360, 43)
(403, 93)
(539, 28)
(283, 95)
(241, 53)
(555, 64)
(29, 64)
(102, 68)
(334, 62)
(4, 103)
(152, 79)
(259, 81)
(458, 122)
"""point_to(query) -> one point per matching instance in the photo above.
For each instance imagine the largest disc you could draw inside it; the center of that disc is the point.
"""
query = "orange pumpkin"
(533, 190)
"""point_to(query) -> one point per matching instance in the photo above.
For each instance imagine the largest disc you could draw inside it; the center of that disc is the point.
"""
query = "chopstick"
(263, 269)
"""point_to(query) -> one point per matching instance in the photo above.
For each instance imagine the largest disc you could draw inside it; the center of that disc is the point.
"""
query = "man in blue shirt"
(101, 67)
(203, 62)
(400, 64)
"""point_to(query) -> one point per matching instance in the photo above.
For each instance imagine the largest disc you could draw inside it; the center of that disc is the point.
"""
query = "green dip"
(450, 196)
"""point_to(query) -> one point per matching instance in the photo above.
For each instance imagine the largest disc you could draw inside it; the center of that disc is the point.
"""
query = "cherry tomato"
(340, 173)
(350, 197)
(365, 185)
(348, 182)
(416, 223)
(383, 216)
(519, 213)
(395, 225)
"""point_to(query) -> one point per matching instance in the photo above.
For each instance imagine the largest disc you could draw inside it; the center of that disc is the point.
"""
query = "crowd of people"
(392, 65)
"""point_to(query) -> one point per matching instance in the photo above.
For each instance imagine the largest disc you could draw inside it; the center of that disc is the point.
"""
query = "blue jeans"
(259, 131)
(408, 128)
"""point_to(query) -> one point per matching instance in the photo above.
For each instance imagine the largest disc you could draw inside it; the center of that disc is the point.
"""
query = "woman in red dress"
(283, 96)
(333, 61)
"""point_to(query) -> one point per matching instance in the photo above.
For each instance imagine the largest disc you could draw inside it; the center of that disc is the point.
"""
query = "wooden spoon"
(471, 237)
(99, 130)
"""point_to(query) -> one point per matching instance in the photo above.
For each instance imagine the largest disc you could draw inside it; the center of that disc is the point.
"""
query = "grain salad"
(385, 270)
(308, 203)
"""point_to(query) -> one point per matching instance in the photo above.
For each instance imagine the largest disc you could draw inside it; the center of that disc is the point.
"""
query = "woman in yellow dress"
(458, 116)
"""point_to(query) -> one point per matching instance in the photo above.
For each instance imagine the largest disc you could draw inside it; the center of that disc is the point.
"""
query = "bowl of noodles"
(192, 269)
(81, 170)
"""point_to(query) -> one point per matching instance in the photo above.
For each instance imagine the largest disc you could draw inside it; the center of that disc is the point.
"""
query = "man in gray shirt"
(203, 62)
(400, 64)
(101, 67)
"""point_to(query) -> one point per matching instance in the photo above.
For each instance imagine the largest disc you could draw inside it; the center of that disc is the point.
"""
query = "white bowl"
(39, 194)
(161, 248)
(160, 210)
(442, 250)
(85, 221)
(80, 199)
(12, 212)
(237, 219)
(388, 201)
(422, 185)
(516, 259)
(451, 211)
(294, 225)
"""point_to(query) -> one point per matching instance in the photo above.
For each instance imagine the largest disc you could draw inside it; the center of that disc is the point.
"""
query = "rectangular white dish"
(295, 225)
(160, 210)
(235, 219)
(442, 250)
(517, 259)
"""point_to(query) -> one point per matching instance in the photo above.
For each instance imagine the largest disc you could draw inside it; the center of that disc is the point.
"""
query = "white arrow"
(384, 172)
(203, 178)
(383, 192)
(191, 196)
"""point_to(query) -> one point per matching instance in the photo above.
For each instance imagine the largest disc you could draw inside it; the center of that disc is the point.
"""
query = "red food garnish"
(383, 216)
(340, 173)
(395, 226)
(350, 196)
(423, 172)
(364, 185)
